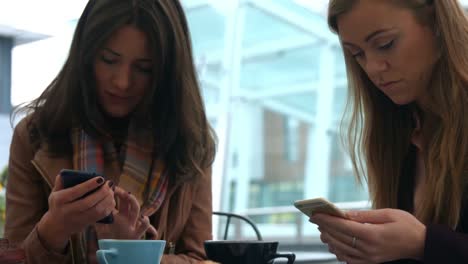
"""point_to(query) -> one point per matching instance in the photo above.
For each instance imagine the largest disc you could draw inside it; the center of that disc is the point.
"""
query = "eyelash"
(141, 69)
(106, 60)
(359, 54)
(387, 46)
(145, 70)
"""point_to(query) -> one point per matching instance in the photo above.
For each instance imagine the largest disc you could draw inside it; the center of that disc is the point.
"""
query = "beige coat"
(183, 220)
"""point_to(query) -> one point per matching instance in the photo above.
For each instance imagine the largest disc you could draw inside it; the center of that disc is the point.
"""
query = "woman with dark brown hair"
(127, 106)
(407, 68)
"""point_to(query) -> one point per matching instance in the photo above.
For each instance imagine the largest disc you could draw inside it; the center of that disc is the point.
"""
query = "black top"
(442, 245)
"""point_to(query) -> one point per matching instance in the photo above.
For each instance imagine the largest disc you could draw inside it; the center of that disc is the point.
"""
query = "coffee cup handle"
(290, 256)
(101, 255)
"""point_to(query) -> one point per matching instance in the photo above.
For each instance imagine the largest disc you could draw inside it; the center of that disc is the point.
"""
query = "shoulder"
(203, 180)
(22, 127)
(22, 135)
(202, 177)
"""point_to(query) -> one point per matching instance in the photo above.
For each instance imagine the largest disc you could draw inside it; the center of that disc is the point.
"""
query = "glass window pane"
(277, 74)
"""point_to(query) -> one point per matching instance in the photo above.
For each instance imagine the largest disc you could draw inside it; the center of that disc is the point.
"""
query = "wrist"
(52, 235)
(420, 244)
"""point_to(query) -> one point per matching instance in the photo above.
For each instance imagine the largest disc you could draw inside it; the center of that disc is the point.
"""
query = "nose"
(375, 65)
(122, 78)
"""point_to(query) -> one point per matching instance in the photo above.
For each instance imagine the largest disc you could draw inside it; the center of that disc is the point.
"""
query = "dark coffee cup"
(245, 252)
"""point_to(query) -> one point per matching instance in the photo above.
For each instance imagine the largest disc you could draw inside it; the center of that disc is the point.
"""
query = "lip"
(117, 98)
(387, 85)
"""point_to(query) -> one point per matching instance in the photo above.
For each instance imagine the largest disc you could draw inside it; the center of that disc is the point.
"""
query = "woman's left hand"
(372, 236)
(128, 223)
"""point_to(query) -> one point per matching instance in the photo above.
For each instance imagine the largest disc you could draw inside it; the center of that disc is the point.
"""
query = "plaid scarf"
(140, 174)
(143, 176)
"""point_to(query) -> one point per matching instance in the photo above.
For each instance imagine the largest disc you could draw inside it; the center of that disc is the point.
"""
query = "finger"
(56, 198)
(345, 226)
(134, 211)
(96, 213)
(331, 249)
(91, 200)
(119, 192)
(151, 232)
(339, 256)
(142, 225)
(380, 216)
(104, 207)
(127, 206)
(342, 243)
(323, 238)
(58, 185)
(78, 191)
(124, 202)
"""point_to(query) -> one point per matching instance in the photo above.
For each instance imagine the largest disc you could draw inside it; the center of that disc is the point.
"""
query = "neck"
(117, 126)
(423, 102)
(117, 123)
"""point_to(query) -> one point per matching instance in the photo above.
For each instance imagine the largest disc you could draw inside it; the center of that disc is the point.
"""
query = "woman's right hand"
(68, 214)
(128, 222)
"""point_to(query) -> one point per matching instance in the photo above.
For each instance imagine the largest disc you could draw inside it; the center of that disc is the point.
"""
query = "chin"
(401, 103)
(401, 100)
(117, 113)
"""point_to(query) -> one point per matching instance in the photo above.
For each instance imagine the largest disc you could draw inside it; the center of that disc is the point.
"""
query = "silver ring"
(354, 242)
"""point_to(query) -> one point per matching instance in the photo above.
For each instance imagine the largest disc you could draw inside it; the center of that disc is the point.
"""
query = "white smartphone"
(318, 205)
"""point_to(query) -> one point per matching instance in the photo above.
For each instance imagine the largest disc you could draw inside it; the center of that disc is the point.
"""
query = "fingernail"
(100, 180)
(111, 184)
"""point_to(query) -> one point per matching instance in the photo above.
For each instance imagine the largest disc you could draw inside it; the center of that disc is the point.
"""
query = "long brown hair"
(173, 107)
(379, 132)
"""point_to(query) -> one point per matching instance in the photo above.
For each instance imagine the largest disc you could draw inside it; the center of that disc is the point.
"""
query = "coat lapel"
(50, 166)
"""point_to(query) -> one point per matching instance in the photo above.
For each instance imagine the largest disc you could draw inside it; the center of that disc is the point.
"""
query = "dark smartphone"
(71, 178)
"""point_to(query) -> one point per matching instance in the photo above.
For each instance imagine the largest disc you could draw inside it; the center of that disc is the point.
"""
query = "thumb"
(380, 216)
(58, 185)
(152, 233)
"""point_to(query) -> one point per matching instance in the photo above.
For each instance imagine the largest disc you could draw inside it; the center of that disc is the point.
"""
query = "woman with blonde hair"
(407, 67)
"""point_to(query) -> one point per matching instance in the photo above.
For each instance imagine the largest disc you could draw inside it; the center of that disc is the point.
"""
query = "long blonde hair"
(379, 132)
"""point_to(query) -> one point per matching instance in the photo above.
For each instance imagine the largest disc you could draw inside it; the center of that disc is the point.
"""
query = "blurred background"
(273, 80)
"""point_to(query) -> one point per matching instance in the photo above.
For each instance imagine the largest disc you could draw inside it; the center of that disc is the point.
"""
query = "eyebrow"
(370, 36)
(120, 55)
